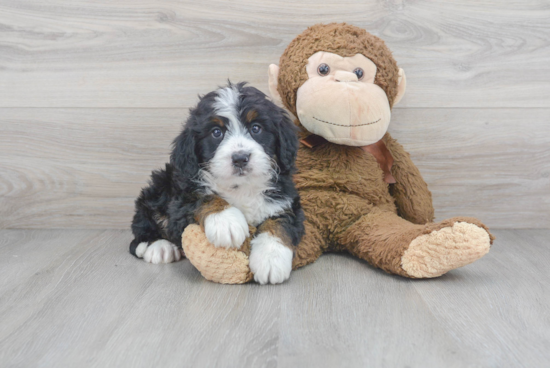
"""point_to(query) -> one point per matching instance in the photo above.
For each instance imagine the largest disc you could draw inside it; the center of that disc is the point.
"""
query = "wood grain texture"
(488, 163)
(77, 298)
(79, 168)
(161, 54)
(83, 168)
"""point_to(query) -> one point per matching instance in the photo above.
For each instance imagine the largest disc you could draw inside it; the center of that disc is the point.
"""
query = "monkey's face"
(340, 101)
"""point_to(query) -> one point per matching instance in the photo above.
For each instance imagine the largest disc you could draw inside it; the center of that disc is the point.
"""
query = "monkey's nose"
(240, 159)
(343, 76)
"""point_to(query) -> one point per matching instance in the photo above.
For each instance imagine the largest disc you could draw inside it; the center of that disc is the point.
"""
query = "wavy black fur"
(168, 204)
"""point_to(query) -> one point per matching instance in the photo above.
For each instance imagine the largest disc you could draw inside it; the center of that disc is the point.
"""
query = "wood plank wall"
(92, 93)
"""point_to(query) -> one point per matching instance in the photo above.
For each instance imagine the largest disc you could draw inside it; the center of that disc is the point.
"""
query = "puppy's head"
(235, 136)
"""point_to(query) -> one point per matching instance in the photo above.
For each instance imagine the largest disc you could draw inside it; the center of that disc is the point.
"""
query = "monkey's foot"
(222, 265)
(432, 255)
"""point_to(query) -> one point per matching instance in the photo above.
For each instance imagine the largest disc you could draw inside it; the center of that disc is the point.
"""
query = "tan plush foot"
(434, 254)
(222, 265)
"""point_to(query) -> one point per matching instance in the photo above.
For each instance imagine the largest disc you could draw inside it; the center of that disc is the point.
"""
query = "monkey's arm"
(412, 196)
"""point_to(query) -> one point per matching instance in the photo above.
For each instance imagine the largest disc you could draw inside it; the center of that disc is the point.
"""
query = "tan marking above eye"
(251, 115)
(218, 122)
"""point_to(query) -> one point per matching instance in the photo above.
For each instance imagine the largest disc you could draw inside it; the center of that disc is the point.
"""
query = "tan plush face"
(340, 101)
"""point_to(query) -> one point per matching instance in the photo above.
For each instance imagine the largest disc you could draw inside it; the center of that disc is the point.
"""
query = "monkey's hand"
(222, 265)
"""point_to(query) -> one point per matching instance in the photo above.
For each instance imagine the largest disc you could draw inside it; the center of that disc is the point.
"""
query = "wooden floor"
(76, 298)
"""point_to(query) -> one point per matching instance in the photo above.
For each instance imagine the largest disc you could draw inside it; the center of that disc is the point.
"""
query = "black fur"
(168, 204)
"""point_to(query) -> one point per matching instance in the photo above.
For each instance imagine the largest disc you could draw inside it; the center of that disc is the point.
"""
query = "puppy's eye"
(323, 69)
(359, 73)
(217, 133)
(256, 129)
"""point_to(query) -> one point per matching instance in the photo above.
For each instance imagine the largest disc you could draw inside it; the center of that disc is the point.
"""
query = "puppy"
(230, 167)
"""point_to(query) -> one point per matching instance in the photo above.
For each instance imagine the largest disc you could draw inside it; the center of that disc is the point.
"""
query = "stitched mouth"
(347, 126)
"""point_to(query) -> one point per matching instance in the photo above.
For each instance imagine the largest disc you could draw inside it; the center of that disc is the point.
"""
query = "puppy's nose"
(240, 159)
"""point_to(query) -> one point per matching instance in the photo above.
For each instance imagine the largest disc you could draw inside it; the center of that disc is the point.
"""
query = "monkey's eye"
(256, 129)
(359, 73)
(323, 69)
(217, 133)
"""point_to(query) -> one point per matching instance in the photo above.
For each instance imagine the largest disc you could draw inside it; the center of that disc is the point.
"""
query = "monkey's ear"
(273, 73)
(401, 86)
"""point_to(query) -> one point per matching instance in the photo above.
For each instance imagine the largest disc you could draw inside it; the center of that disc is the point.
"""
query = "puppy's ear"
(288, 143)
(184, 156)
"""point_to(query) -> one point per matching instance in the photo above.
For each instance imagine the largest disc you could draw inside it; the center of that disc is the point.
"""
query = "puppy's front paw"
(161, 251)
(270, 259)
(227, 229)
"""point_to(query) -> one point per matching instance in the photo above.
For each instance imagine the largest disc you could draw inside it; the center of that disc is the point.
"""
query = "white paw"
(161, 251)
(270, 260)
(227, 229)
(141, 248)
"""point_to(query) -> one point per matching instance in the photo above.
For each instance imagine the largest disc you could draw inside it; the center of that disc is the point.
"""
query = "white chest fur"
(254, 205)
(247, 194)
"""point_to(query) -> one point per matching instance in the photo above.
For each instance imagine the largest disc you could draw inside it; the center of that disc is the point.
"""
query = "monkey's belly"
(333, 212)
(339, 184)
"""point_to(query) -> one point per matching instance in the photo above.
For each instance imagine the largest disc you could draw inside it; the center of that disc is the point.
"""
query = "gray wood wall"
(92, 93)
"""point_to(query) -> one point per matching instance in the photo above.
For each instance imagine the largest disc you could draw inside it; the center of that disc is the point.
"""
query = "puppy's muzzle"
(240, 159)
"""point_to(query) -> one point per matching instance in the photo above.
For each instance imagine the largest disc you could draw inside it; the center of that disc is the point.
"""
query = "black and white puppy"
(230, 167)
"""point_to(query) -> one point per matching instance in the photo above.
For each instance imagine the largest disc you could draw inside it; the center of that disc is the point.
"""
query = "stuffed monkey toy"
(360, 191)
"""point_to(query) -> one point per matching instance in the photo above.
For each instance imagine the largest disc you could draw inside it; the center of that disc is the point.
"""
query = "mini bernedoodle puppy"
(230, 167)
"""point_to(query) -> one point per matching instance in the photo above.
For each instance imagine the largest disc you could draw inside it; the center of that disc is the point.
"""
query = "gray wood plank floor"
(76, 298)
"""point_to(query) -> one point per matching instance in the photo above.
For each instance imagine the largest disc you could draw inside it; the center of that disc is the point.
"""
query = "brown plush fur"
(341, 187)
(339, 38)
(348, 205)
(222, 265)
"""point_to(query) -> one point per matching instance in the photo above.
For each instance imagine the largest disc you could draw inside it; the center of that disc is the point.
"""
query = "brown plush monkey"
(360, 191)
